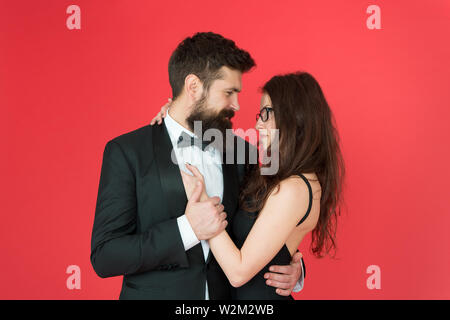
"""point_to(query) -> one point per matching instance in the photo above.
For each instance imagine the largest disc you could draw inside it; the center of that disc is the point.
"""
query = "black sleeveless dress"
(256, 288)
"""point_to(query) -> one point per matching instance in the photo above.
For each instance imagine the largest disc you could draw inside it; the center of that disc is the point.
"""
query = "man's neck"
(179, 112)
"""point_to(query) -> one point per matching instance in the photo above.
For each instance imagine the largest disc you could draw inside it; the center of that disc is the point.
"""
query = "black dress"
(256, 288)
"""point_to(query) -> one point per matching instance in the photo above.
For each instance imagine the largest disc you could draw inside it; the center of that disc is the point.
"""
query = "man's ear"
(193, 87)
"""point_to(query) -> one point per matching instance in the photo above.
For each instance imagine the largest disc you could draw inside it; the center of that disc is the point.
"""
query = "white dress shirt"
(209, 163)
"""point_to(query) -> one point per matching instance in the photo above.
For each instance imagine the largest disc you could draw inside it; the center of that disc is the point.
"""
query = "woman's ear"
(193, 87)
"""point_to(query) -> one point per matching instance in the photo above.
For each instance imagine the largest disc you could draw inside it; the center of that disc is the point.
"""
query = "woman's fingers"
(162, 113)
(188, 177)
(164, 108)
(195, 171)
(190, 180)
(156, 119)
(223, 215)
(160, 116)
(190, 167)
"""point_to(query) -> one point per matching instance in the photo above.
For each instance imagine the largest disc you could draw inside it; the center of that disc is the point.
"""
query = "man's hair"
(203, 55)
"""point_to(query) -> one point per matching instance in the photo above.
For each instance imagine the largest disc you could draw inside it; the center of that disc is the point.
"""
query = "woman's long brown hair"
(308, 143)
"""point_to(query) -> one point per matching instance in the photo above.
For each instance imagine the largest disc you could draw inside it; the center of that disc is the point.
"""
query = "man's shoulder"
(134, 144)
(134, 138)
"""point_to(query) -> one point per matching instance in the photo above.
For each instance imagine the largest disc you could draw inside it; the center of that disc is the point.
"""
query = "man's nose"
(235, 104)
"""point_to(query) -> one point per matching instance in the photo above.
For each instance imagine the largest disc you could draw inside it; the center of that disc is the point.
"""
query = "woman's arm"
(270, 232)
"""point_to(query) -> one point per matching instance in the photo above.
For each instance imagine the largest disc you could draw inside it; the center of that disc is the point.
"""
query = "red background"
(65, 93)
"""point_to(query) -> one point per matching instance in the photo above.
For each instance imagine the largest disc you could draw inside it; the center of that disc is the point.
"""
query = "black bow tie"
(185, 140)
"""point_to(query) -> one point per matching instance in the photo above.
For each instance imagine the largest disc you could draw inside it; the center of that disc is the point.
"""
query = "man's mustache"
(226, 113)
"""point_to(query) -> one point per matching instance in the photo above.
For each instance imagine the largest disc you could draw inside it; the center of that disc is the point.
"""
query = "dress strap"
(310, 198)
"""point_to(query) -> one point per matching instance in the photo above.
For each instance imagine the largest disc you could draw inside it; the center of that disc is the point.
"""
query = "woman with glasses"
(277, 211)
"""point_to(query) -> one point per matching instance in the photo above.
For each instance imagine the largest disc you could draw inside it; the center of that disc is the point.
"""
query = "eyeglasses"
(264, 114)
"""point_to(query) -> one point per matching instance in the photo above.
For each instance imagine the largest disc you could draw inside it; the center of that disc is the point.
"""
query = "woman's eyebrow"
(267, 105)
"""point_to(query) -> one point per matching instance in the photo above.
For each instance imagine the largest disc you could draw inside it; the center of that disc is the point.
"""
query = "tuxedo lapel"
(172, 183)
(169, 172)
(170, 177)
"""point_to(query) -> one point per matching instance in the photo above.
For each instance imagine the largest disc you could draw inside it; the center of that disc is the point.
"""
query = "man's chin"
(228, 124)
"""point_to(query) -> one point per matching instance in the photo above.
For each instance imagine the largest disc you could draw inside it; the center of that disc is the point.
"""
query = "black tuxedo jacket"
(135, 231)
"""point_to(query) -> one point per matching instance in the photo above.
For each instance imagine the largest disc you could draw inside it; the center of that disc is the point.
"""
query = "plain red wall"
(65, 93)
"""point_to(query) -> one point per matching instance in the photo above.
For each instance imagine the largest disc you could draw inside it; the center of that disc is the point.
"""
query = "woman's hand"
(190, 182)
(161, 114)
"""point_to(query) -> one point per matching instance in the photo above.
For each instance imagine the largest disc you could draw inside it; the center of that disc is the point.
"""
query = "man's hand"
(207, 218)
(284, 278)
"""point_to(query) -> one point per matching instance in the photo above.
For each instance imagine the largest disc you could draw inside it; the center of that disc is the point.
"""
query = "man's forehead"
(230, 78)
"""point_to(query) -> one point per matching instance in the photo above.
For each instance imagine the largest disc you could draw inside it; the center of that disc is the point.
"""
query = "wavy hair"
(308, 143)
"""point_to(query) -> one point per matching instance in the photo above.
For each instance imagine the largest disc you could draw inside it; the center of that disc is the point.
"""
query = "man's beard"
(210, 119)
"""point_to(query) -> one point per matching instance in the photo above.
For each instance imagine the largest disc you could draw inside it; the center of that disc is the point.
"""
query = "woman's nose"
(259, 124)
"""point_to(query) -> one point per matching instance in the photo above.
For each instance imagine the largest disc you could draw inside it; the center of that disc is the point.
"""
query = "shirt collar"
(175, 129)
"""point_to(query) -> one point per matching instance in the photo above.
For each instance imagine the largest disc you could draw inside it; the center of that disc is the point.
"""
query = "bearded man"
(145, 228)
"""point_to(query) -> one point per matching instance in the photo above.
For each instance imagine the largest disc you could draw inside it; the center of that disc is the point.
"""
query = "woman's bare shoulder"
(293, 199)
(291, 192)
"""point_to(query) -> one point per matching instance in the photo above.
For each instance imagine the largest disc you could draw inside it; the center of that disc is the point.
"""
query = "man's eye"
(229, 93)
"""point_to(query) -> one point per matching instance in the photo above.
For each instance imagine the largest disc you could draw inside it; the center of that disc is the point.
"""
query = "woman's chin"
(264, 145)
